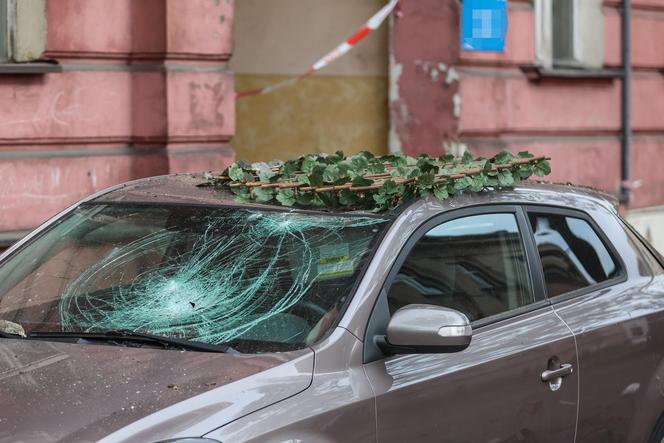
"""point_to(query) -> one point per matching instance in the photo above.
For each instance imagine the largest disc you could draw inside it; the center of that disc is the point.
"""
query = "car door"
(609, 289)
(476, 261)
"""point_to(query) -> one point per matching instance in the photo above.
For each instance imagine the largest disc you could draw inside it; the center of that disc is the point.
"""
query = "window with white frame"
(569, 33)
(22, 30)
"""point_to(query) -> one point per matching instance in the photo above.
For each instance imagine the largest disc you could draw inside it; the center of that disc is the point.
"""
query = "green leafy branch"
(364, 181)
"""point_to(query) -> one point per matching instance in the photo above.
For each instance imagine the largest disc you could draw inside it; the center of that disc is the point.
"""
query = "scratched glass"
(258, 280)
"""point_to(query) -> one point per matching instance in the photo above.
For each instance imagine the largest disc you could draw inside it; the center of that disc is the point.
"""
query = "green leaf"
(348, 198)
(263, 195)
(316, 176)
(426, 180)
(289, 168)
(505, 178)
(525, 171)
(305, 199)
(525, 154)
(462, 183)
(359, 162)
(441, 192)
(308, 164)
(331, 174)
(389, 187)
(503, 157)
(428, 165)
(303, 179)
(361, 181)
(542, 168)
(236, 173)
(467, 157)
(329, 199)
(380, 198)
(447, 158)
(376, 167)
(477, 183)
(263, 170)
(286, 197)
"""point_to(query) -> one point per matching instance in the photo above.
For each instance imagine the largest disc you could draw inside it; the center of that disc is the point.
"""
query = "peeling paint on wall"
(457, 105)
(396, 69)
(452, 76)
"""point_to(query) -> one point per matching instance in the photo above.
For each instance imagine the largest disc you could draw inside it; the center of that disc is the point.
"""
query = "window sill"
(537, 73)
(29, 68)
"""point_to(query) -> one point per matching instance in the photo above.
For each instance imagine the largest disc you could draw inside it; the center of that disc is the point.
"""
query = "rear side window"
(473, 264)
(573, 255)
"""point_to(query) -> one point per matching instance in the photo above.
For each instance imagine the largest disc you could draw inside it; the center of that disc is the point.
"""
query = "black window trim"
(377, 322)
(621, 277)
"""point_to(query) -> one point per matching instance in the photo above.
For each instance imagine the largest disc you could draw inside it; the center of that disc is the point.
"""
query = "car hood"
(51, 391)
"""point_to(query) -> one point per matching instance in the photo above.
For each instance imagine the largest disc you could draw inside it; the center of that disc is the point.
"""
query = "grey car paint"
(491, 391)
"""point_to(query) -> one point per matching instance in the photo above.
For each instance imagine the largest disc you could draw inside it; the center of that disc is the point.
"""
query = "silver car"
(162, 311)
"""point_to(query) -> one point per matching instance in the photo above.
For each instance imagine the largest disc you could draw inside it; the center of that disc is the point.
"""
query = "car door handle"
(564, 370)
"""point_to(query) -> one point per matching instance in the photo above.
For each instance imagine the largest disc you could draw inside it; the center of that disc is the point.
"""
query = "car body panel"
(338, 407)
(620, 337)
(52, 391)
(490, 392)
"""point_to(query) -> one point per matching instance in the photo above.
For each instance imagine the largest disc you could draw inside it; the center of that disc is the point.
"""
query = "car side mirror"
(426, 329)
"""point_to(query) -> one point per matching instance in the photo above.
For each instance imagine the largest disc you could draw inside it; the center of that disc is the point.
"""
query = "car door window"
(474, 264)
(573, 255)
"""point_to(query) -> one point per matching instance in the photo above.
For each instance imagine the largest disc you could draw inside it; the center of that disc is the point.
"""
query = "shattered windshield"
(257, 280)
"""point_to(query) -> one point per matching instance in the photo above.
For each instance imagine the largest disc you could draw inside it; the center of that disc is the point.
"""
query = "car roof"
(191, 189)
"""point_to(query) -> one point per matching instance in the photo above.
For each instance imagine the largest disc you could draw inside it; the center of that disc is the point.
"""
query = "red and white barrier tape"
(341, 50)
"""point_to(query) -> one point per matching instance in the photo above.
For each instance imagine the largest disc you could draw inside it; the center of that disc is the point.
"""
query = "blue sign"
(484, 25)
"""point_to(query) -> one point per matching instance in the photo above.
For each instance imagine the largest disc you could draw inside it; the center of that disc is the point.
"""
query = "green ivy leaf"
(361, 181)
(263, 195)
(505, 178)
(376, 167)
(308, 164)
(286, 197)
(503, 157)
(236, 173)
(525, 171)
(426, 180)
(467, 157)
(525, 154)
(389, 187)
(305, 199)
(447, 158)
(542, 168)
(331, 174)
(316, 176)
(441, 192)
(304, 180)
(289, 168)
(359, 162)
(477, 183)
(462, 183)
(348, 198)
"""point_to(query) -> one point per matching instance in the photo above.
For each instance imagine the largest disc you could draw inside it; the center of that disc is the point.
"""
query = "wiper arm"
(135, 337)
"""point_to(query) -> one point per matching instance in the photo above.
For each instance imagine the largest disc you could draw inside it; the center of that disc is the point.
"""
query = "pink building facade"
(445, 98)
(131, 88)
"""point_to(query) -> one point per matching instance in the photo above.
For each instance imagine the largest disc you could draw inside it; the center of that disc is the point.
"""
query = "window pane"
(563, 30)
(4, 37)
(474, 264)
(573, 256)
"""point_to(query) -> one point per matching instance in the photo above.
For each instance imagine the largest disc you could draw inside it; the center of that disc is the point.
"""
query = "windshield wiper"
(135, 337)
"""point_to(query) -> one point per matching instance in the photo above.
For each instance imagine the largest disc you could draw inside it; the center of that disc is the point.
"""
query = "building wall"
(342, 107)
(488, 104)
(145, 89)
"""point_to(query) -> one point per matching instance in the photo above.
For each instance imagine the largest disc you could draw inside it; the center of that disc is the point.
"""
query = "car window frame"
(377, 321)
(621, 277)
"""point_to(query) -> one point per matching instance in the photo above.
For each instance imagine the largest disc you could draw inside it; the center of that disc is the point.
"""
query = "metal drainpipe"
(626, 169)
